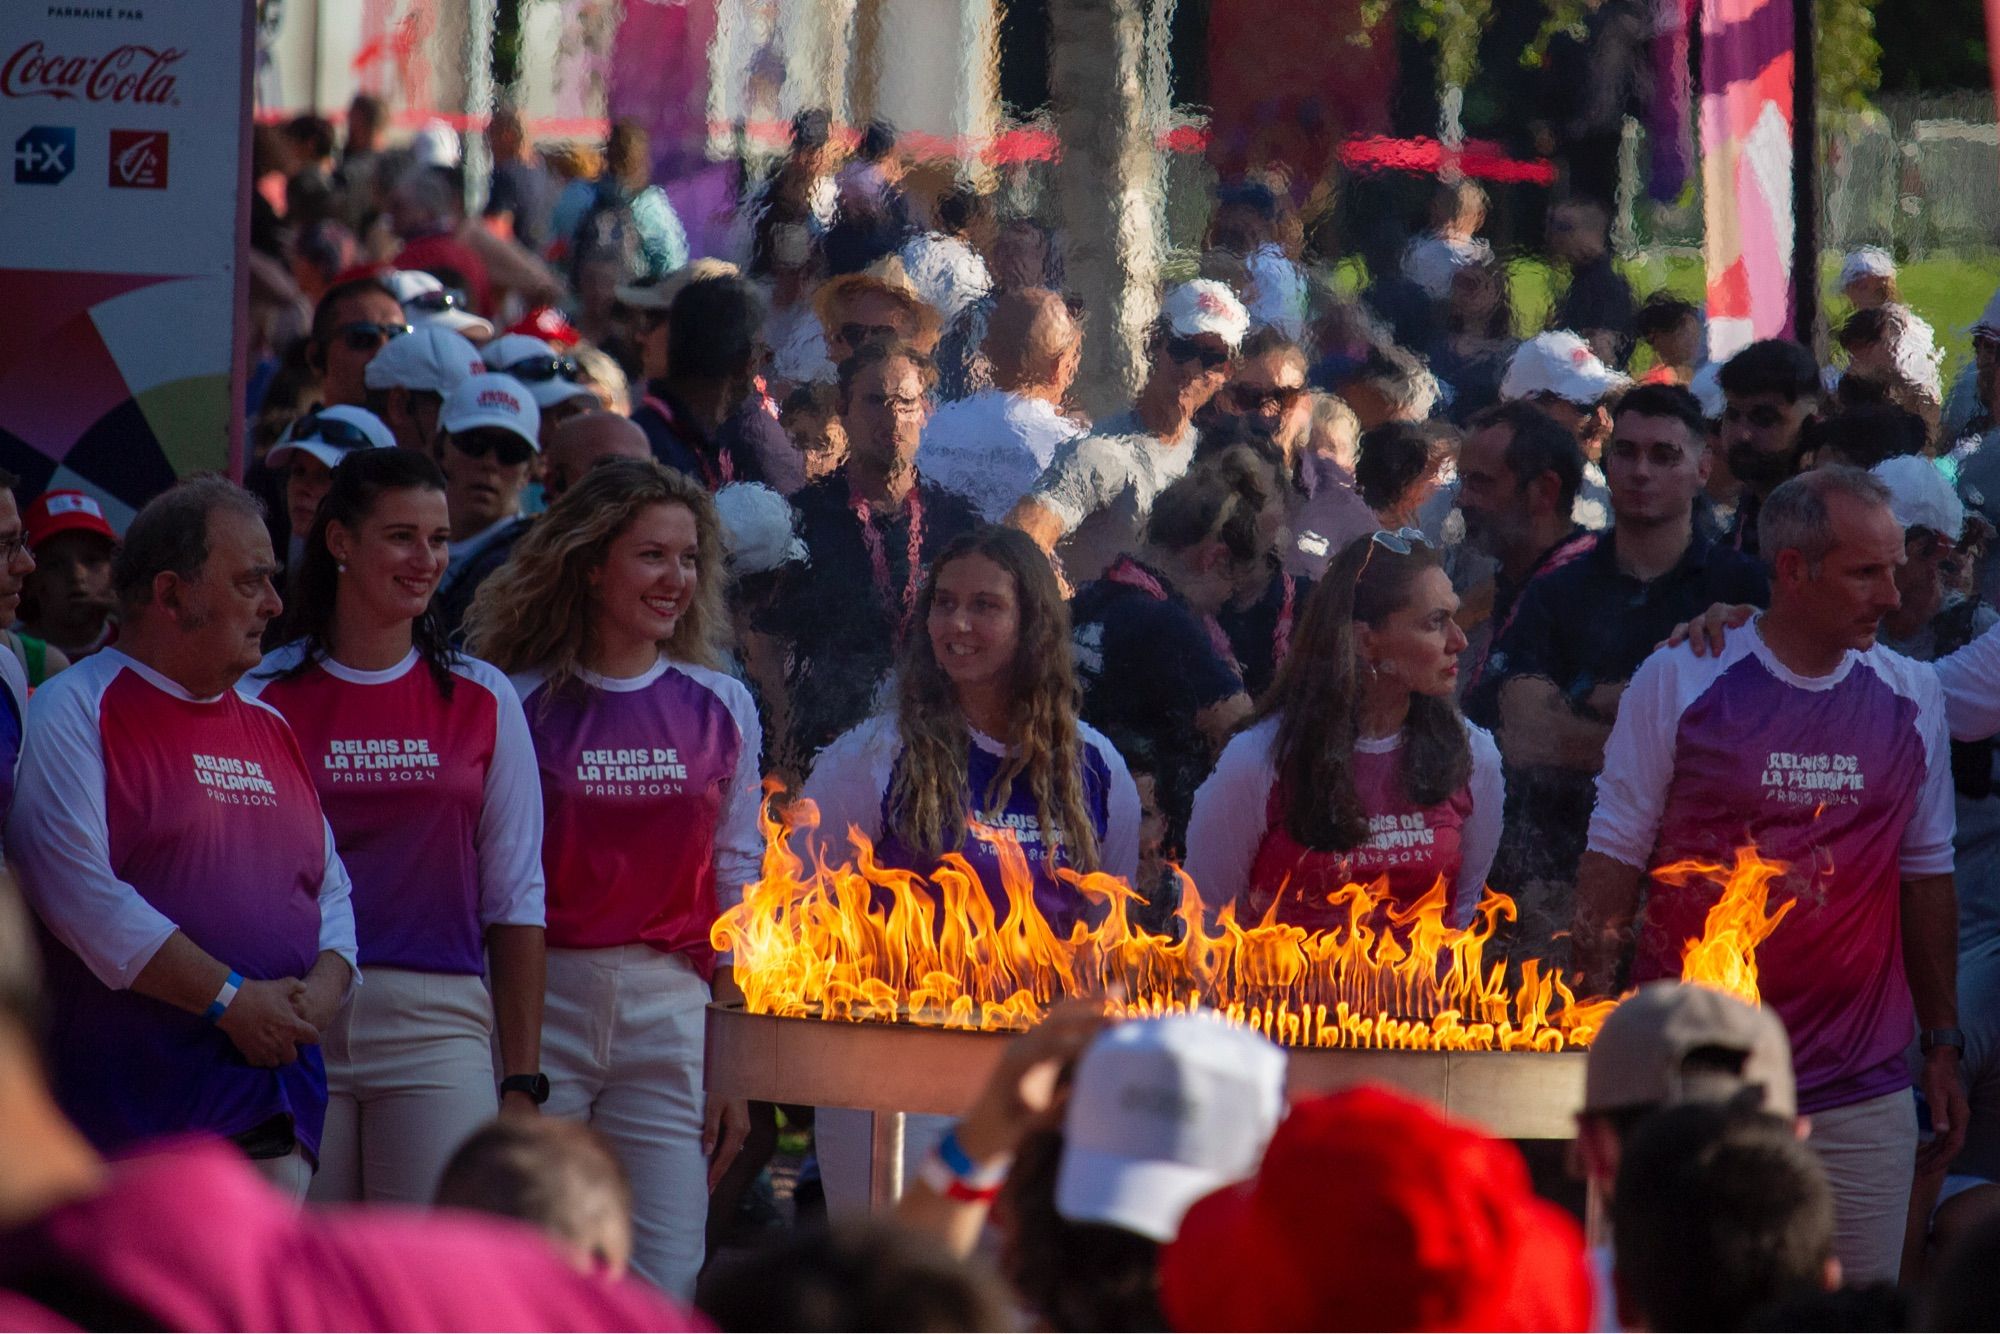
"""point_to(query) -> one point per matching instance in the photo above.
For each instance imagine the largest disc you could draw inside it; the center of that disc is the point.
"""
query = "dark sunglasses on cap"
(860, 335)
(1188, 349)
(328, 430)
(510, 449)
(1256, 401)
(436, 303)
(365, 337)
(540, 370)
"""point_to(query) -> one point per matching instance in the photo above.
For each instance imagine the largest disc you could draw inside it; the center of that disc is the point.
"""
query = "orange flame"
(864, 942)
(1725, 957)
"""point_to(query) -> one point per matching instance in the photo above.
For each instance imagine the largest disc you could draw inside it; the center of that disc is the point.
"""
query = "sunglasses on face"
(860, 335)
(332, 430)
(436, 303)
(510, 450)
(1187, 349)
(365, 337)
(1249, 401)
(540, 370)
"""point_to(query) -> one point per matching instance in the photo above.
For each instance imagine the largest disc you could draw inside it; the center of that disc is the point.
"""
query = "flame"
(864, 942)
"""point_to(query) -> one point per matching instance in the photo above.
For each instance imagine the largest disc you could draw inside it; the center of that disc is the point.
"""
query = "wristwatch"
(1932, 1038)
(536, 1086)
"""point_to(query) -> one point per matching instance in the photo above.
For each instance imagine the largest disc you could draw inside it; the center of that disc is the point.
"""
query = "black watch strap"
(536, 1086)
(1932, 1038)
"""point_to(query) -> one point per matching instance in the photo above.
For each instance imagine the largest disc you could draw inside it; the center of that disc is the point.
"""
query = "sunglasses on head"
(1402, 541)
(1188, 349)
(331, 430)
(860, 335)
(511, 450)
(436, 303)
(365, 337)
(540, 370)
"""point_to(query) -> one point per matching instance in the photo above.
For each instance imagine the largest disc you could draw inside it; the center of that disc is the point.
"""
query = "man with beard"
(1770, 390)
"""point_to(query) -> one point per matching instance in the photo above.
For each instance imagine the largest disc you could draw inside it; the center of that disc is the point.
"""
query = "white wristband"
(218, 1006)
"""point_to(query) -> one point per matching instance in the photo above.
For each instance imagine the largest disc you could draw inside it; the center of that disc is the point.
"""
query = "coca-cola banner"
(121, 224)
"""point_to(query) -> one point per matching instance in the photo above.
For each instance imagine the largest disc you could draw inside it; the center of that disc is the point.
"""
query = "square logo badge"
(44, 155)
(138, 160)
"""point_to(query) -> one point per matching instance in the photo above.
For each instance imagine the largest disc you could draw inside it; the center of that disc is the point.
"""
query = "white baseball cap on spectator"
(1868, 261)
(551, 376)
(435, 145)
(1162, 1112)
(1559, 363)
(428, 302)
(1205, 306)
(1919, 495)
(330, 435)
(430, 359)
(759, 528)
(498, 401)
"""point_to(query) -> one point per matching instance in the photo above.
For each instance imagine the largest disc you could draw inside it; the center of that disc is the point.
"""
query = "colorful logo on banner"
(44, 155)
(1746, 150)
(138, 160)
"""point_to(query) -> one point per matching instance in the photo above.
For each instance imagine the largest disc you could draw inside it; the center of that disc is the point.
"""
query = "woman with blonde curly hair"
(608, 618)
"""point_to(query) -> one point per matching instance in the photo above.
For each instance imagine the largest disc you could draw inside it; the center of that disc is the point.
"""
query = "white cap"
(436, 145)
(429, 357)
(1868, 261)
(1163, 1111)
(493, 400)
(427, 301)
(540, 367)
(1559, 363)
(759, 528)
(331, 434)
(1919, 495)
(1706, 386)
(1205, 306)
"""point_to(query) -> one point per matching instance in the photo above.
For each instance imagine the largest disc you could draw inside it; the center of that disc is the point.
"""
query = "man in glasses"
(353, 322)
(409, 379)
(1770, 389)
(489, 434)
(553, 378)
(1091, 503)
(1557, 374)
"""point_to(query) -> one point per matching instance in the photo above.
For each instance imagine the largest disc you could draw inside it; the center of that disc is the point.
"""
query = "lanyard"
(1281, 637)
(1129, 572)
(878, 555)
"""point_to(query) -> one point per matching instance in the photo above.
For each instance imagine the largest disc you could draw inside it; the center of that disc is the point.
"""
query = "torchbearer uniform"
(141, 810)
(1845, 778)
(436, 807)
(650, 790)
(13, 717)
(1240, 850)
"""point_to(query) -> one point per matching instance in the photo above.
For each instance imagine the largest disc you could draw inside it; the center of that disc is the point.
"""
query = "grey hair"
(1403, 379)
(171, 535)
(1797, 517)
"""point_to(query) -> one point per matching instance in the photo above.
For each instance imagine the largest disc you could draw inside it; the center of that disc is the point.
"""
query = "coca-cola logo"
(132, 73)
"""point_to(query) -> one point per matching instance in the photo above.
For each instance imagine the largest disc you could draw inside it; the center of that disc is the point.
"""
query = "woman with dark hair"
(1357, 765)
(422, 761)
(610, 616)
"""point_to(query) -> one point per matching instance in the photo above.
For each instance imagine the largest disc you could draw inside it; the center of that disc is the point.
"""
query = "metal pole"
(1805, 177)
(885, 1161)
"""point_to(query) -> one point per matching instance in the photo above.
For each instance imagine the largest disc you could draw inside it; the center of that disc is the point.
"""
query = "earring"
(342, 567)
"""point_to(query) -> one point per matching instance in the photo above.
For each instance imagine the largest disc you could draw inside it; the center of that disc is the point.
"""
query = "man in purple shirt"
(1807, 742)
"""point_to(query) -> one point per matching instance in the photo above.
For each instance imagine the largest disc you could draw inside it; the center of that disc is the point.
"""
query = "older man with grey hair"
(1806, 744)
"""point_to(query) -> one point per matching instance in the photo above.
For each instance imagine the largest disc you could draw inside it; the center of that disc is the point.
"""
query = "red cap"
(1371, 1211)
(547, 323)
(65, 512)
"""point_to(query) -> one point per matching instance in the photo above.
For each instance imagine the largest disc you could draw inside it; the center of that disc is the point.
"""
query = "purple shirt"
(1845, 778)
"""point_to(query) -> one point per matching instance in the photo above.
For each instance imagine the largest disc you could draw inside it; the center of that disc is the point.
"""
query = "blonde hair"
(535, 613)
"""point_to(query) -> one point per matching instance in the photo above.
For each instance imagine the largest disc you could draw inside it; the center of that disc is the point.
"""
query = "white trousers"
(409, 1072)
(1869, 1151)
(622, 1047)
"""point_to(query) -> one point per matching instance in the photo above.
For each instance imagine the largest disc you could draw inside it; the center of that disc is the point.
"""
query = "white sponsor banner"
(123, 210)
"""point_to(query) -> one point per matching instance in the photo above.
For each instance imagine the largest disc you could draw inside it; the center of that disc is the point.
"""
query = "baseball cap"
(1372, 1211)
(1638, 1058)
(1868, 261)
(429, 358)
(65, 512)
(435, 145)
(1559, 363)
(549, 375)
(1161, 1112)
(659, 293)
(427, 302)
(759, 529)
(1205, 306)
(1919, 495)
(330, 435)
(499, 401)
(548, 324)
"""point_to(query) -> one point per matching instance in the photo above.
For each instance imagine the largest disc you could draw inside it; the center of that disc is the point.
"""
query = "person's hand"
(1950, 1110)
(264, 1022)
(1706, 633)
(725, 1124)
(1020, 1094)
(515, 1104)
(318, 998)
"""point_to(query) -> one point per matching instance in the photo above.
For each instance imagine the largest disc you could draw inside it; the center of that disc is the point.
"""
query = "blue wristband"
(220, 1004)
(954, 1156)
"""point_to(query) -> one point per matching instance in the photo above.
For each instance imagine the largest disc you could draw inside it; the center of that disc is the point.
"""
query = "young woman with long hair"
(423, 764)
(1357, 764)
(609, 617)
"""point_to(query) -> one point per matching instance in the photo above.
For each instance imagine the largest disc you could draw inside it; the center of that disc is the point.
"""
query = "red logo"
(499, 398)
(138, 160)
(130, 73)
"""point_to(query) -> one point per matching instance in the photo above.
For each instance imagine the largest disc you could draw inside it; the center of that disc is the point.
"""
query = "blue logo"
(44, 155)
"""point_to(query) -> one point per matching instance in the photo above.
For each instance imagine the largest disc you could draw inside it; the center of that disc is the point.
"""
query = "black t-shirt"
(1148, 666)
(1599, 298)
(842, 615)
(1261, 633)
